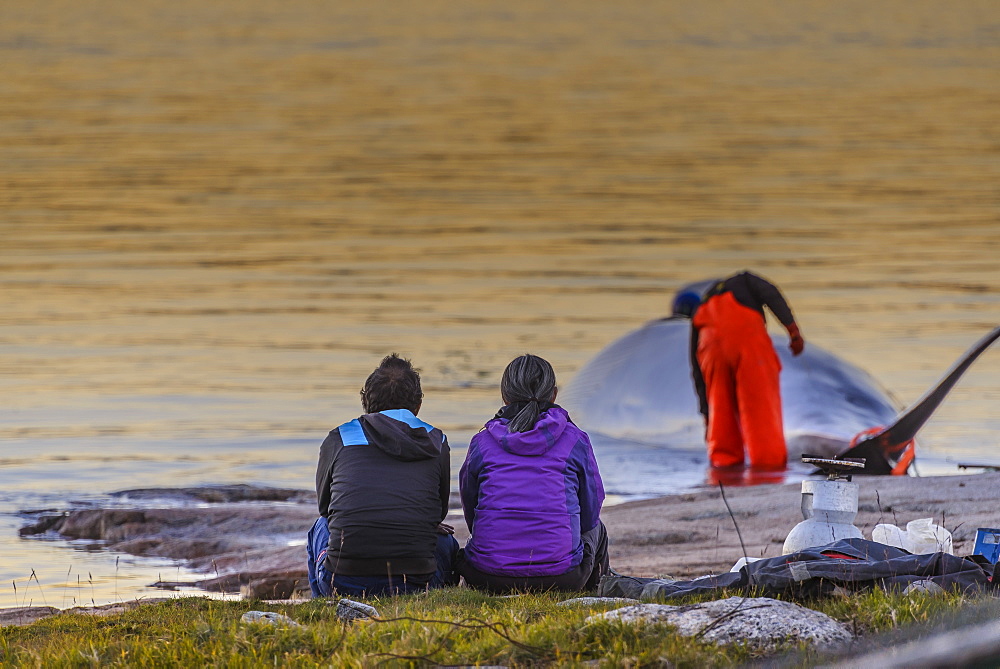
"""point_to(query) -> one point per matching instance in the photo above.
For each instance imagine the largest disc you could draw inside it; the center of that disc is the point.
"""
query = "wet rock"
(759, 622)
(274, 587)
(92, 524)
(249, 538)
(240, 580)
(233, 582)
(269, 618)
(265, 557)
(254, 546)
(184, 533)
(172, 547)
(44, 524)
(220, 494)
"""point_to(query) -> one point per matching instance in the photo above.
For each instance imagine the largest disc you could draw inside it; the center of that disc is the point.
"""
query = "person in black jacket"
(736, 370)
(383, 484)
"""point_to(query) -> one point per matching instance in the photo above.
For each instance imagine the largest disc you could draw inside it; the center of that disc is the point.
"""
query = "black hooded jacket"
(383, 484)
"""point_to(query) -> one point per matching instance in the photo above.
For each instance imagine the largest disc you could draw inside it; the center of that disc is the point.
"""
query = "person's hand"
(443, 528)
(796, 343)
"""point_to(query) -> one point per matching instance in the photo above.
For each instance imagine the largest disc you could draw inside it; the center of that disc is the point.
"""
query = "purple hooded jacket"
(527, 496)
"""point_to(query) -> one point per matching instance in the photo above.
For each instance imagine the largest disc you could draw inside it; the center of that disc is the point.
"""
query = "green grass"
(473, 629)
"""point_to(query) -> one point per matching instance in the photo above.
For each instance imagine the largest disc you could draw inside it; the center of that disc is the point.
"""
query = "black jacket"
(754, 292)
(383, 484)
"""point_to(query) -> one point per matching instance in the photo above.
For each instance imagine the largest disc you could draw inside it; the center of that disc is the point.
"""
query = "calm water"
(215, 218)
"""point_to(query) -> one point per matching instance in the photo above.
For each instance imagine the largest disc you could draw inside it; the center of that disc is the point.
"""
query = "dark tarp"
(850, 564)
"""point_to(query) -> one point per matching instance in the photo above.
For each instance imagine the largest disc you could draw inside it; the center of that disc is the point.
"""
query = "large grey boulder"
(755, 621)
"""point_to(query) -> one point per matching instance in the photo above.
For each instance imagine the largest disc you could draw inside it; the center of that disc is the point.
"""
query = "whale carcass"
(639, 389)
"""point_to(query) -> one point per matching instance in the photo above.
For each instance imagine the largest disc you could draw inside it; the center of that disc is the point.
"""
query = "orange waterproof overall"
(740, 368)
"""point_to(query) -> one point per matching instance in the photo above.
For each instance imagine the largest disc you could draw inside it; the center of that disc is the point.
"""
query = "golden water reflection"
(217, 217)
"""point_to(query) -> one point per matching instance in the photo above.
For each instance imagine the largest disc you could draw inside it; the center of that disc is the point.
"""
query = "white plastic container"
(890, 535)
(923, 536)
(920, 537)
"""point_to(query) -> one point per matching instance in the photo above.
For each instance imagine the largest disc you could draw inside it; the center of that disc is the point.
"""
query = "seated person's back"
(383, 485)
(532, 493)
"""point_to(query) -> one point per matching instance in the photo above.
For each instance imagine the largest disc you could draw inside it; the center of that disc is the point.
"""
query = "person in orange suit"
(736, 371)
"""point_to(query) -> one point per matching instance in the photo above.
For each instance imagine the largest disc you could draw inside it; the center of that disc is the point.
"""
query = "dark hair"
(531, 380)
(393, 385)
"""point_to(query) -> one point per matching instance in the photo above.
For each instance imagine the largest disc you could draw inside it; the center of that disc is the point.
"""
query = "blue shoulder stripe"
(406, 416)
(352, 434)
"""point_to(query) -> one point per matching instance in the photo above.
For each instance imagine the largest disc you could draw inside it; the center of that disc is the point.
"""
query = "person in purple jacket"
(532, 493)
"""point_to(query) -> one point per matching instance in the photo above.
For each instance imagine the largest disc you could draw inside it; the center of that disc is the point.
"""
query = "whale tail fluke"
(891, 450)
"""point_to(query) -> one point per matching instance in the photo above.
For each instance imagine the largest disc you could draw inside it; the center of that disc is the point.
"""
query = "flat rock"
(25, 615)
(759, 622)
(220, 494)
(278, 586)
(209, 537)
(247, 541)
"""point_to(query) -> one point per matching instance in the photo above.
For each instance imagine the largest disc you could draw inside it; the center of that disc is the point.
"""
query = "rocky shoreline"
(250, 539)
(244, 538)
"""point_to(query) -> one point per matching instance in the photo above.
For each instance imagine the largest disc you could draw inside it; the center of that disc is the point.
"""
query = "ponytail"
(531, 381)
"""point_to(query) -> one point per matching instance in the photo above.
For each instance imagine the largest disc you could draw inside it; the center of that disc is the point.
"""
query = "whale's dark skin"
(639, 390)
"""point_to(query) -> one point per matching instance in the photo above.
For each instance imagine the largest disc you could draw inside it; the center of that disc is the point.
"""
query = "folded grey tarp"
(849, 564)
